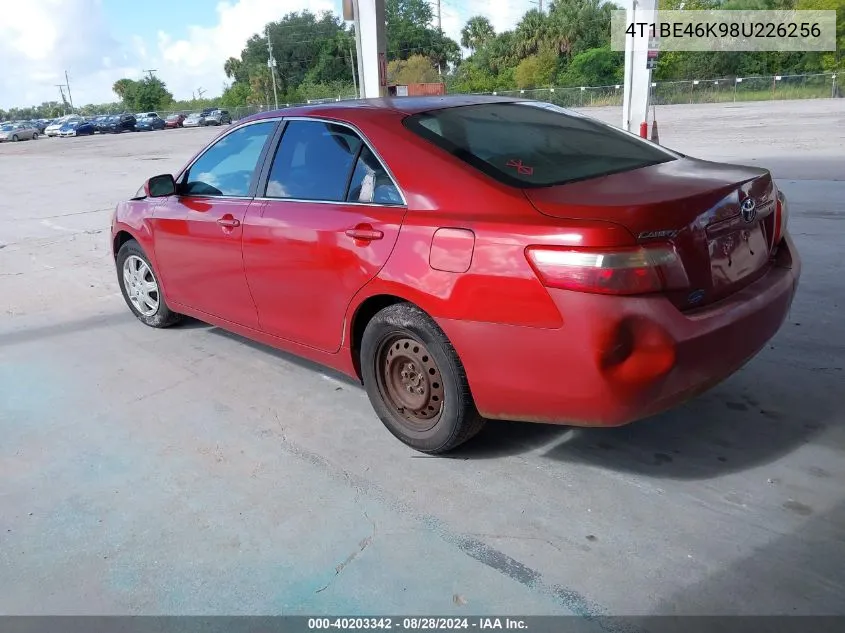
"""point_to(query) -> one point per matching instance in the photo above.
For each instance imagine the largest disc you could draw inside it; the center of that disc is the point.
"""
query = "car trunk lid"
(695, 205)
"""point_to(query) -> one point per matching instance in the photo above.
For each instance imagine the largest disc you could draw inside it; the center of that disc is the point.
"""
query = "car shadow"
(285, 356)
(800, 572)
(738, 425)
(763, 412)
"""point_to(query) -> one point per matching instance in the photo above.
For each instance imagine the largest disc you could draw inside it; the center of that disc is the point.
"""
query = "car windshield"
(194, 115)
(532, 144)
(173, 117)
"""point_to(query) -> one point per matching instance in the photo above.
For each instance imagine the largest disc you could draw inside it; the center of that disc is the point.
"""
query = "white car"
(53, 128)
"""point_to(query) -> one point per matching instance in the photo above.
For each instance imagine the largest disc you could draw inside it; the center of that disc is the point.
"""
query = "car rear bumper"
(620, 359)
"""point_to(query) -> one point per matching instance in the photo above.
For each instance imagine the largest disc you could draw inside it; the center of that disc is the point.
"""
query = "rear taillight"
(628, 271)
(781, 218)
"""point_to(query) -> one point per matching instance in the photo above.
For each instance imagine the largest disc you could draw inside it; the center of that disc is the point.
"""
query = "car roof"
(404, 105)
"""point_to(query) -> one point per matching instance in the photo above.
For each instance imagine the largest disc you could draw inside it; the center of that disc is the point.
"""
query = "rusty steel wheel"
(410, 382)
(415, 380)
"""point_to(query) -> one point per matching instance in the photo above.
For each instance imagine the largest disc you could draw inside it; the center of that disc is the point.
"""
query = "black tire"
(457, 420)
(35, 136)
(163, 316)
(15, 138)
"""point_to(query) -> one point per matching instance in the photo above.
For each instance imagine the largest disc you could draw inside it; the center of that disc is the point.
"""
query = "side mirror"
(160, 186)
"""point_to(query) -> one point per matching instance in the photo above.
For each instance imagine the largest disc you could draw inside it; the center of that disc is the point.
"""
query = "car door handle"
(229, 222)
(365, 233)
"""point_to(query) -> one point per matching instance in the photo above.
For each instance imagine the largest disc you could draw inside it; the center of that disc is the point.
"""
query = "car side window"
(313, 162)
(371, 182)
(227, 167)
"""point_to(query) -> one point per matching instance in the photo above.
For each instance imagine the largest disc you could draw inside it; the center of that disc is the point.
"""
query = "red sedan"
(174, 121)
(468, 258)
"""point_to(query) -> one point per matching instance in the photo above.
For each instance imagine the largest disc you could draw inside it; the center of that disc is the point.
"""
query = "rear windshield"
(534, 144)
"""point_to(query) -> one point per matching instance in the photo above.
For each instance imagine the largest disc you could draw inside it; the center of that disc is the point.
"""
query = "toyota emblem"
(748, 209)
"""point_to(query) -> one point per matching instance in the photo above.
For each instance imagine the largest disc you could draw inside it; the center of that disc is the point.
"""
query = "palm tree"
(531, 33)
(477, 32)
(231, 67)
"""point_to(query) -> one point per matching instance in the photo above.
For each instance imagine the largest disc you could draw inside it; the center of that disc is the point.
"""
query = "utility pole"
(201, 92)
(354, 75)
(151, 71)
(70, 96)
(271, 64)
(439, 30)
(539, 4)
(61, 88)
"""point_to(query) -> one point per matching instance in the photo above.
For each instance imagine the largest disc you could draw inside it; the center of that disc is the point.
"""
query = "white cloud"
(42, 38)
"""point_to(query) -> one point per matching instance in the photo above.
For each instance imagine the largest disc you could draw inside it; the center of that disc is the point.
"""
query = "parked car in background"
(86, 128)
(99, 122)
(207, 111)
(174, 121)
(118, 123)
(55, 126)
(218, 117)
(148, 123)
(69, 128)
(18, 132)
(195, 119)
(556, 270)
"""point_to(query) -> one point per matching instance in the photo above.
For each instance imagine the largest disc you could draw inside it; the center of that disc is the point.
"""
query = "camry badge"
(748, 209)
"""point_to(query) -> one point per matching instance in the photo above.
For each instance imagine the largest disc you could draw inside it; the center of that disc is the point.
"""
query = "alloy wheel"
(141, 285)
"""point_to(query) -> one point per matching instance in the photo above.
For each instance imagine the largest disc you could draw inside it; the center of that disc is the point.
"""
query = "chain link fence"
(773, 87)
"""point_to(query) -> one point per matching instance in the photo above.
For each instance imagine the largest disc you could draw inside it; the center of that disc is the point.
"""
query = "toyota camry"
(468, 258)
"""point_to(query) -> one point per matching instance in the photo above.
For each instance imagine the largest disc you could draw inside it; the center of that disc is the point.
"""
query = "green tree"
(415, 69)
(235, 95)
(151, 94)
(477, 32)
(594, 67)
(536, 71)
(409, 32)
(234, 69)
(531, 33)
(125, 89)
(304, 45)
(833, 60)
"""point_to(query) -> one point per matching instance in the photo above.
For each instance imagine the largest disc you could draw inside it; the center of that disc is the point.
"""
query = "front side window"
(228, 167)
(313, 161)
(531, 144)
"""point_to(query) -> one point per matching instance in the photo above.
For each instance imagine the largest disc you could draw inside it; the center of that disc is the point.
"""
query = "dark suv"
(118, 123)
(218, 117)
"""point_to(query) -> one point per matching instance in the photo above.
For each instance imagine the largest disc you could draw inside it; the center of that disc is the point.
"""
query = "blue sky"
(187, 41)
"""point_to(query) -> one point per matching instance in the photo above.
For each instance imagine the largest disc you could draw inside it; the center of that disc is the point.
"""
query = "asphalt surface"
(189, 471)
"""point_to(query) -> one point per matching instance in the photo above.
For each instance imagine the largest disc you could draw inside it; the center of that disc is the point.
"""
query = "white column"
(371, 42)
(635, 100)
